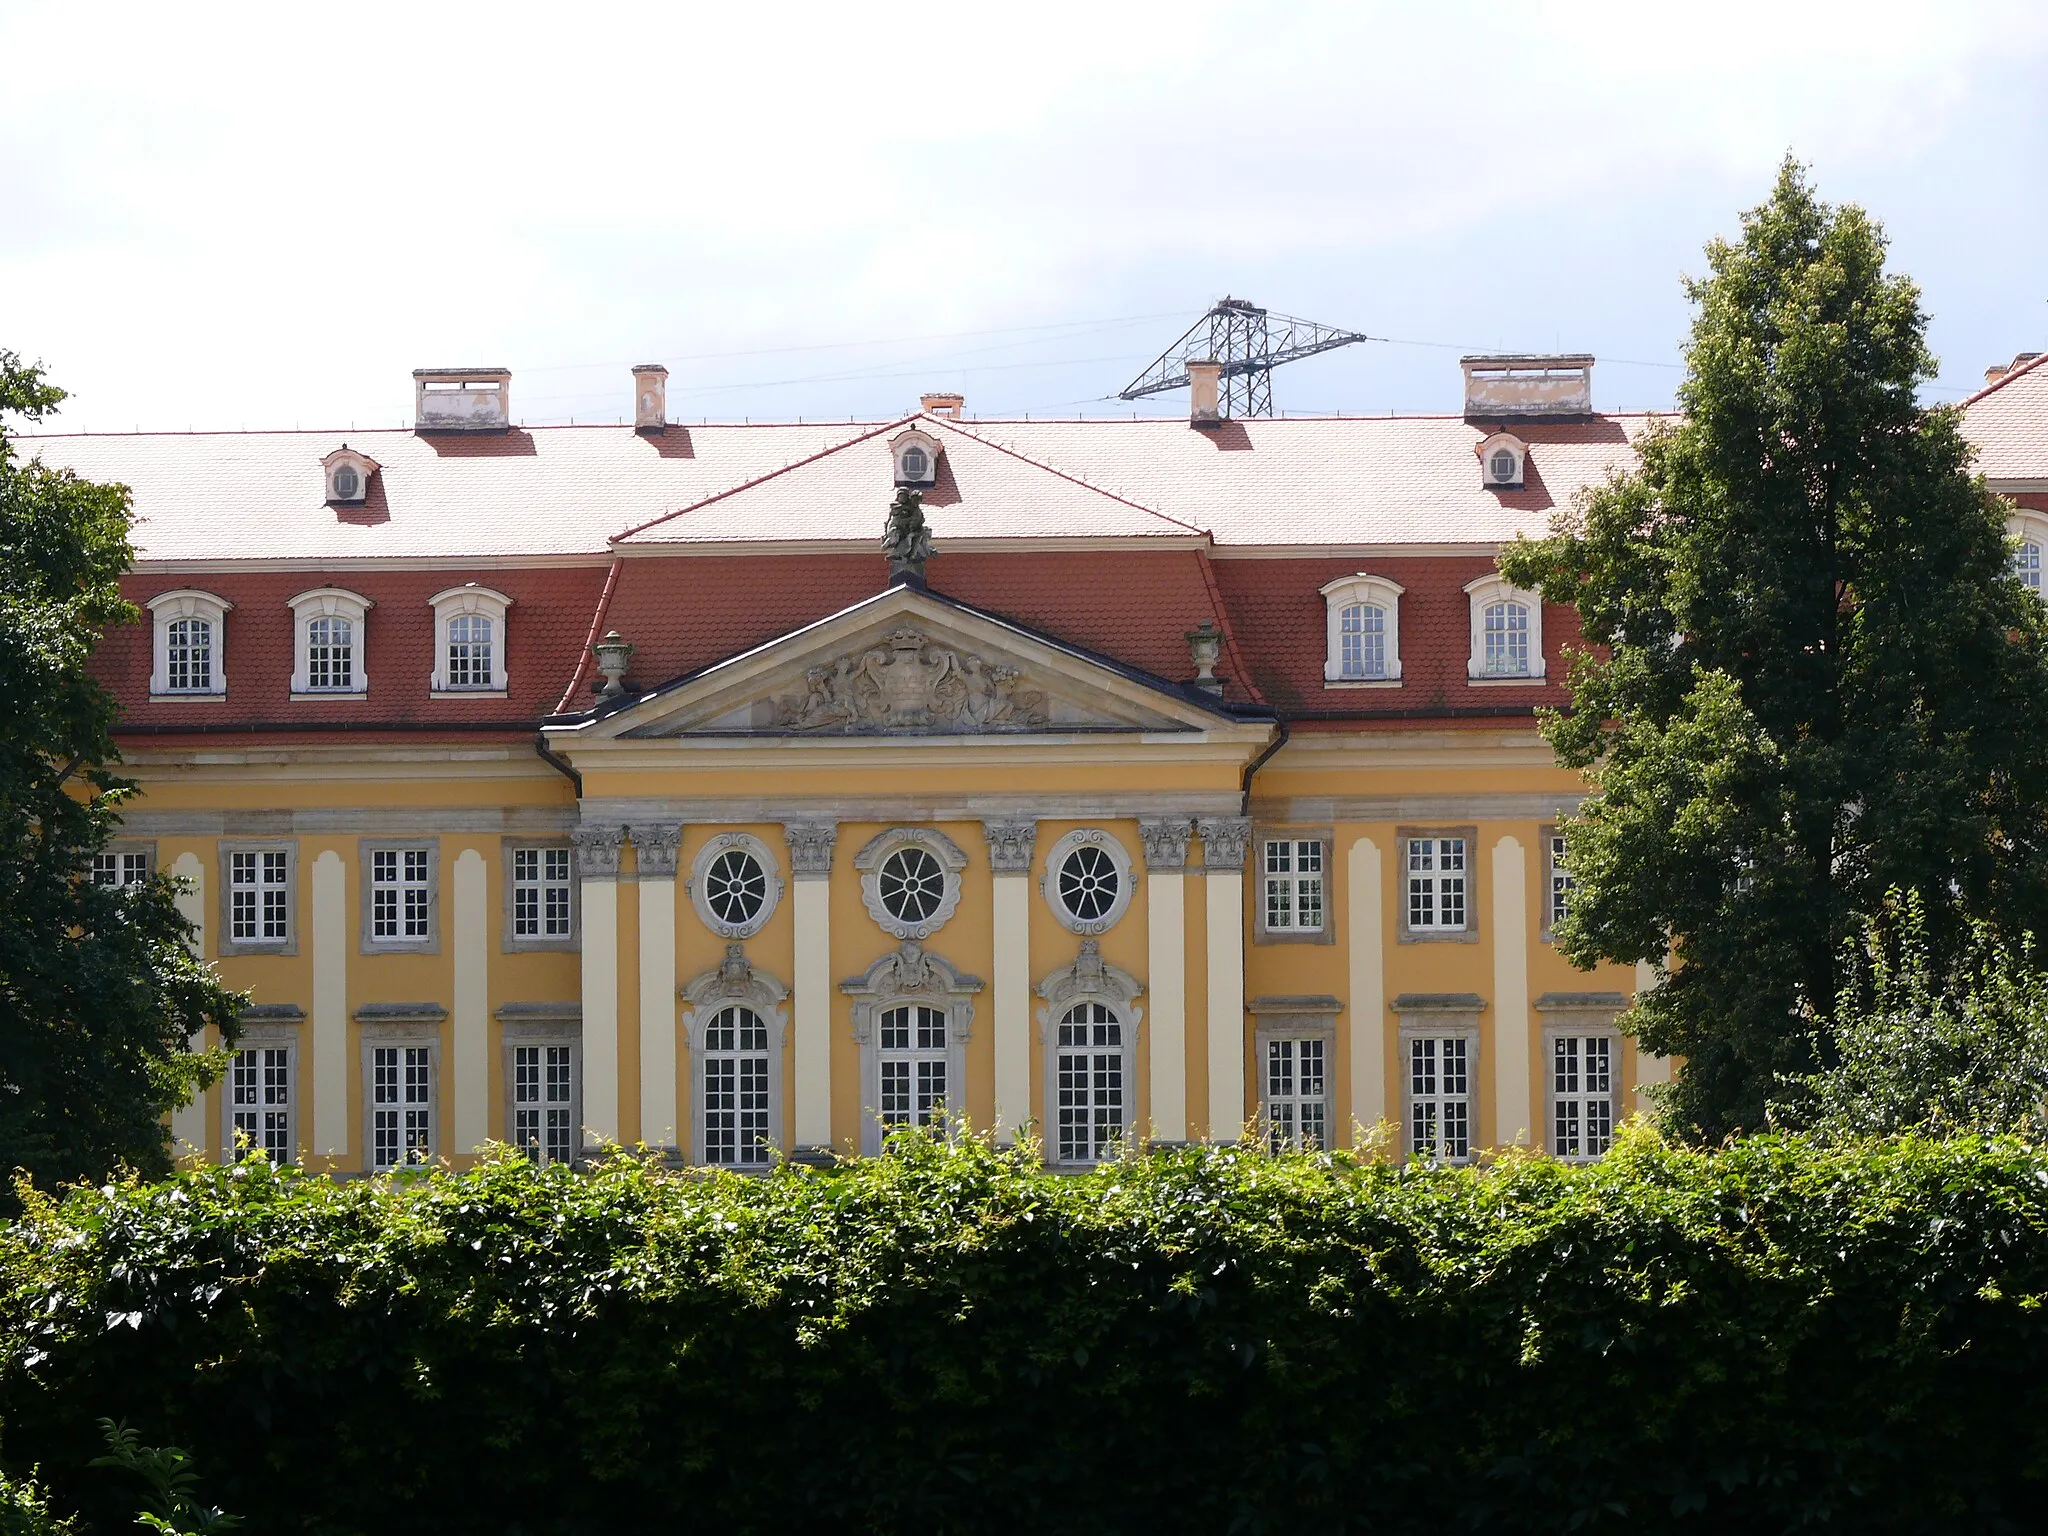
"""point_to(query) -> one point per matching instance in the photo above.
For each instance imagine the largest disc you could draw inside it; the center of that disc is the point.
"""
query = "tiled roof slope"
(2007, 422)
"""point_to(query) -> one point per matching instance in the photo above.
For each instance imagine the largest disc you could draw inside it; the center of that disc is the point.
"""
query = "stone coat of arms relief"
(911, 683)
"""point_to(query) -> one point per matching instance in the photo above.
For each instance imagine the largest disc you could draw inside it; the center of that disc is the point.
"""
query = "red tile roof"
(2007, 422)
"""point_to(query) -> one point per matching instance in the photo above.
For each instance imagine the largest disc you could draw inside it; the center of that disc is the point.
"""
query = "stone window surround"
(1120, 858)
(400, 1024)
(909, 975)
(511, 943)
(1088, 979)
(187, 603)
(1261, 934)
(542, 1024)
(225, 942)
(875, 853)
(1493, 589)
(453, 602)
(1298, 1018)
(1469, 934)
(146, 846)
(718, 845)
(735, 982)
(1578, 1013)
(326, 603)
(365, 847)
(266, 1026)
(1545, 931)
(1440, 1015)
(1341, 594)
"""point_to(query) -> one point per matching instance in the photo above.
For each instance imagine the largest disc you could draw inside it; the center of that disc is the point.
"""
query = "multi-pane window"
(1292, 869)
(400, 894)
(2026, 564)
(188, 655)
(471, 641)
(1436, 883)
(1088, 1073)
(542, 1103)
(120, 868)
(734, 1053)
(1582, 1095)
(259, 1103)
(259, 896)
(1559, 897)
(912, 885)
(1440, 1097)
(1297, 1098)
(1505, 640)
(541, 890)
(912, 1060)
(330, 654)
(1362, 641)
(401, 1105)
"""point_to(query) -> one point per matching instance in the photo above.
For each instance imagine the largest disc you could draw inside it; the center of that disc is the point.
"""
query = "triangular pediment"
(909, 663)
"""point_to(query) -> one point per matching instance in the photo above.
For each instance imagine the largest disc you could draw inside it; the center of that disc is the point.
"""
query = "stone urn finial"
(613, 652)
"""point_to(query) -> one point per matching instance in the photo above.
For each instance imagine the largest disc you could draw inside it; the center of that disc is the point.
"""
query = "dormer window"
(1507, 633)
(916, 457)
(1363, 632)
(327, 645)
(469, 642)
(348, 476)
(1502, 461)
(191, 629)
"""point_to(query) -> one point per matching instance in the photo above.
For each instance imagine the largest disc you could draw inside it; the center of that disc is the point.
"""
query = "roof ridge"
(1072, 478)
(2038, 360)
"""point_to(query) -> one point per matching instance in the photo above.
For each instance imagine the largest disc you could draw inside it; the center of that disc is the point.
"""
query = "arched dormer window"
(190, 655)
(2031, 530)
(915, 456)
(1089, 1025)
(1503, 460)
(1363, 632)
(347, 476)
(469, 641)
(1507, 633)
(327, 643)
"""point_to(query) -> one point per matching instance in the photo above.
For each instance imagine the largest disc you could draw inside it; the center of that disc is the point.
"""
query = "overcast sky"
(219, 216)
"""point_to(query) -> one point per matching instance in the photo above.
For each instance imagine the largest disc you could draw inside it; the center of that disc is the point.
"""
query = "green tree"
(99, 991)
(1812, 679)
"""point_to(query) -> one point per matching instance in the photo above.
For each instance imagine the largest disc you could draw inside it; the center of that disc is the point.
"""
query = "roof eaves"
(2004, 379)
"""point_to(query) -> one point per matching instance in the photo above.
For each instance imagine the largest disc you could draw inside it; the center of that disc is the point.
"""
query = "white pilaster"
(1166, 965)
(470, 920)
(810, 867)
(1010, 849)
(329, 1134)
(1366, 959)
(188, 1121)
(1512, 1114)
(597, 868)
(1223, 844)
(658, 1008)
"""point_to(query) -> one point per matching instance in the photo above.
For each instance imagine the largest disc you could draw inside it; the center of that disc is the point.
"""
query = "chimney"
(942, 404)
(1528, 386)
(1998, 371)
(1205, 380)
(462, 399)
(650, 397)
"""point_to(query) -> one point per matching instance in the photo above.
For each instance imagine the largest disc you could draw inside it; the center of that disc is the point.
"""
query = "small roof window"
(348, 476)
(1503, 460)
(916, 457)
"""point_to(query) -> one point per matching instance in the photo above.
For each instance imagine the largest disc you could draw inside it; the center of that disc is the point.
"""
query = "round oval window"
(1088, 883)
(735, 887)
(347, 482)
(1503, 466)
(911, 885)
(915, 463)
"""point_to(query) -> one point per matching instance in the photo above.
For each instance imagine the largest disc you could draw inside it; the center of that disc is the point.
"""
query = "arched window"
(733, 1068)
(2026, 564)
(471, 646)
(189, 655)
(913, 1055)
(1363, 632)
(912, 1015)
(1507, 640)
(1364, 646)
(330, 653)
(190, 627)
(1091, 1103)
(469, 635)
(1507, 633)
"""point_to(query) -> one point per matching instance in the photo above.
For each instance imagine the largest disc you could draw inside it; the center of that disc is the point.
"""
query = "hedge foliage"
(1771, 1337)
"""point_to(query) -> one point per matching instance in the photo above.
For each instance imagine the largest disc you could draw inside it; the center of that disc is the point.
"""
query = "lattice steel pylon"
(1250, 343)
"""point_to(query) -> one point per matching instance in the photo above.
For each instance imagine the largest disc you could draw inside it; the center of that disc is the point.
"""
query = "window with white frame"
(469, 640)
(543, 892)
(1440, 1097)
(1295, 1093)
(1581, 1095)
(1436, 891)
(328, 642)
(190, 628)
(2031, 531)
(1291, 885)
(259, 896)
(1507, 633)
(401, 1105)
(1557, 896)
(543, 1102)
(259, 1100)
(398, 906)
(1091, 1093)
(121, 867)
(734, 1072)
(1363, 632)
(913, 1060)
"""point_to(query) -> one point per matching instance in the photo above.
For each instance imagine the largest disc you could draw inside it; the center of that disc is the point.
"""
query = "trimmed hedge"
(1766, 1338)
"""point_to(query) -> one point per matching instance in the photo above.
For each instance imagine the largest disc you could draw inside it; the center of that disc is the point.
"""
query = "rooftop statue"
(907, 541)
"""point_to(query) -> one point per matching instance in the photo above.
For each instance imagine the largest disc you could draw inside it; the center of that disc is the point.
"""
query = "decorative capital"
(657, 848)
(597, 850)
(1223, 840)
(1010, 845)
(1166, 841)
(810, 848)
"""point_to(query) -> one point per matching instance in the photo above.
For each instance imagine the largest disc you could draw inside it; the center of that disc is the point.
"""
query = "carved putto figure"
(906, 540)
(909, 683)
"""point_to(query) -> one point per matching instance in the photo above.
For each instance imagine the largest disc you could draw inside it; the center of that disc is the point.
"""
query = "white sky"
(267, 215)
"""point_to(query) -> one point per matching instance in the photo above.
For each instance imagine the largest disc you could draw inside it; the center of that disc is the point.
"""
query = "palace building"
(570, 785)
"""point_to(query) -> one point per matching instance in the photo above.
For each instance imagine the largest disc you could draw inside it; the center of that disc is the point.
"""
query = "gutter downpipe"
(1244, 807)
(560, 764)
